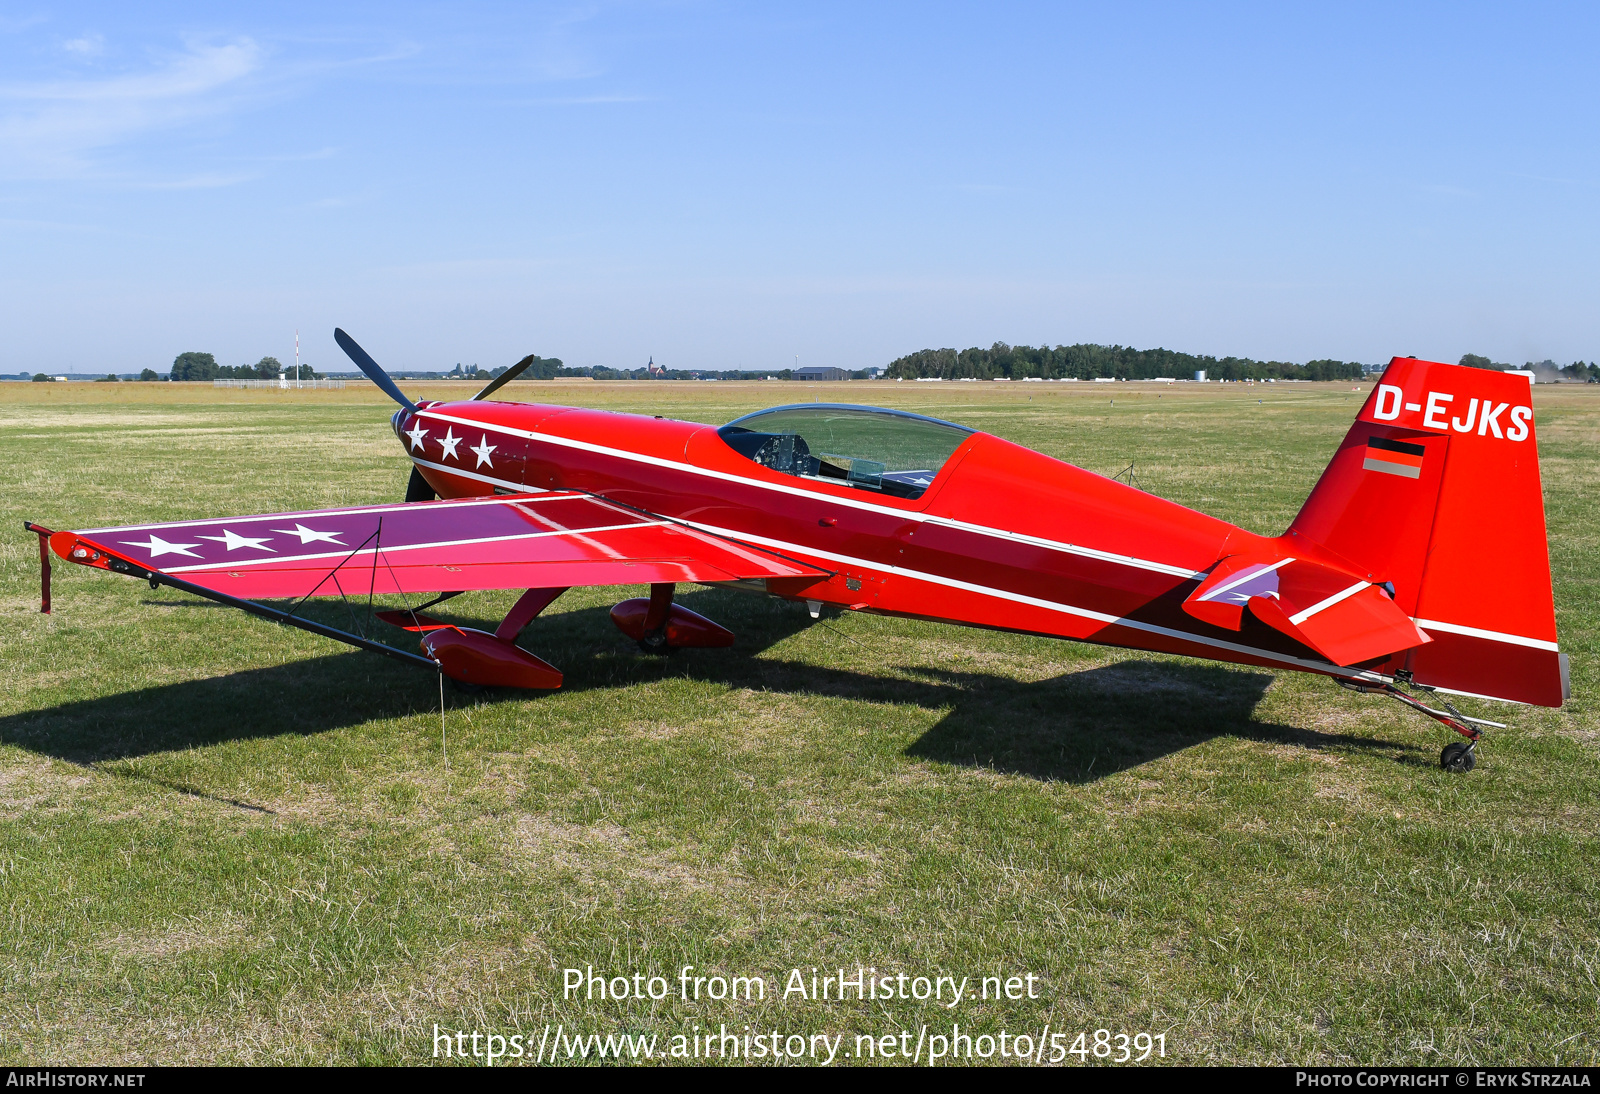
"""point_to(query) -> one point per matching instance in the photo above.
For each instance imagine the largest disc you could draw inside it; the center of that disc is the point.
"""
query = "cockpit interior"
(889, 452)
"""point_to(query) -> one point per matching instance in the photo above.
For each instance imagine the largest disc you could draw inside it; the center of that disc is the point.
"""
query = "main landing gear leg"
(660, 626)
(655, 620)
(1459, 756)
(475, 659)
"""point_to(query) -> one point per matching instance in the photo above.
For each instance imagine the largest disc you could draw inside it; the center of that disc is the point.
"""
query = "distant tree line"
(1087, 361)
(551, 368)
(203, 366)
(1084, 361)
(1546, 370)
(601, 372)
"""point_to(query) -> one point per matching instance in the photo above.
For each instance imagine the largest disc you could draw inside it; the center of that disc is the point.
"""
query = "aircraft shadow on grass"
(1077, 727)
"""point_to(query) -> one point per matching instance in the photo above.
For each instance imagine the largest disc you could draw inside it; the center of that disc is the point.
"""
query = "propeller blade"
(374, 373)
(507, 376)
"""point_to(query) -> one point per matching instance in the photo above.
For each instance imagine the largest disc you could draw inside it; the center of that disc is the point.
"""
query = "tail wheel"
(1460, 757)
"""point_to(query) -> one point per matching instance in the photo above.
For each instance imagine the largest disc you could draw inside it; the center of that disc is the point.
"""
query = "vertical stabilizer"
(1436, 491)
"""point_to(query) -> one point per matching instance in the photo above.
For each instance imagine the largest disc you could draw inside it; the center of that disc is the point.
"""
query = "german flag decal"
(1394, 457)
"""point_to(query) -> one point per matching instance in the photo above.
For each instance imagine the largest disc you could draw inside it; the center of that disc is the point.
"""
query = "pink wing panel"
(522, 541)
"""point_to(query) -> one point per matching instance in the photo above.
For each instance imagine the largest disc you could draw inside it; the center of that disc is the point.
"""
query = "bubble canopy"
(870, 448)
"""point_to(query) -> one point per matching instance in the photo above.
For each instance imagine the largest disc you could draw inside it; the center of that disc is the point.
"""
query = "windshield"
(885, 451)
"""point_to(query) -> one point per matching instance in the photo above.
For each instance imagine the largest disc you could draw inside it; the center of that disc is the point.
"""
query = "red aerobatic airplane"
(1419, 560)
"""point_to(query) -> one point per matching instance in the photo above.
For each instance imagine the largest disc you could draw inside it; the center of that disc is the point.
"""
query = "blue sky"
(722, 185)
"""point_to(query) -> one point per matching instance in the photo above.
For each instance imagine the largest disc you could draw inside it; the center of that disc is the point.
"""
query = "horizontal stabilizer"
(1359, 627)
(1343, 617)
(1221, 597)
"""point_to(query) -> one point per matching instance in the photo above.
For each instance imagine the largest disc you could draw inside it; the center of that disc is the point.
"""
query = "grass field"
(223, 841)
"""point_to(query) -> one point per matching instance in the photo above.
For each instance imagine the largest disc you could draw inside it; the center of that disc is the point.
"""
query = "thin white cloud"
(336, 202)
(466, 267)
(1443, 189)
(207, 181)
(49, 128)
(300, 157)
(46, 225)
(1548, 178)
(586, 100)
(560, 54)
(90, 45)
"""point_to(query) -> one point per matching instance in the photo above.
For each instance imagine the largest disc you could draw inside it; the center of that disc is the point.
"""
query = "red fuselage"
(1004, 537)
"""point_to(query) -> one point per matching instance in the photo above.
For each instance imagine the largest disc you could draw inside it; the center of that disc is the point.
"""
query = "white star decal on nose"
(416, 433)
(235, 541)
(483, 449)
(158, 547)
(308, 535)
(448, 443)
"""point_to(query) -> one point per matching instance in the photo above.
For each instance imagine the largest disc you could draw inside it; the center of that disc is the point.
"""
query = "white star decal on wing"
(416, 433)
(483, 450)
(448, 442)
(158, 547)
(235, 541)
(308, 535)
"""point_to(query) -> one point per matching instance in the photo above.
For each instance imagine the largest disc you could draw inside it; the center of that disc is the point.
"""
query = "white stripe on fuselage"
(1493, 636)
(1034, 601)
(797, 491)
(1070, 548)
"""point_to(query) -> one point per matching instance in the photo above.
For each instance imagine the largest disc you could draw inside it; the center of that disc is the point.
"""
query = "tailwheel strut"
(1458, 756)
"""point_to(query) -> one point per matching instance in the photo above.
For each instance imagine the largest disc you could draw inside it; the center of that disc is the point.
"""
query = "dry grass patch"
(25, 785)
(184, 936)
(604, 854)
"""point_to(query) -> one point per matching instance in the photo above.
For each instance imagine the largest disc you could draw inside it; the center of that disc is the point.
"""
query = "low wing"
(514, 542)
(1343, 617)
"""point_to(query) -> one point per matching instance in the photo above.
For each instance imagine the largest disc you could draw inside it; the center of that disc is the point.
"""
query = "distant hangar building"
(819, 372)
